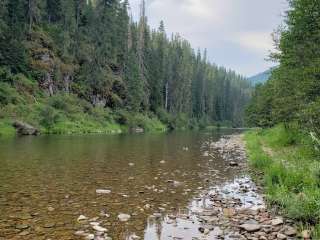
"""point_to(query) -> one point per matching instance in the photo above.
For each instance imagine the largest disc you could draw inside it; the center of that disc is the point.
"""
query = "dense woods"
(91, 54)
(292, 95)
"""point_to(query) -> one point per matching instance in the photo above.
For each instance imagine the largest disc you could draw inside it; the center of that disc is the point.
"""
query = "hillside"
(83, 66)
(260, 77)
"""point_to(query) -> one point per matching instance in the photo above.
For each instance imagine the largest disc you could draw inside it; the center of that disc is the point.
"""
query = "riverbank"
(244, 208)
(286, 164)
(67, 114)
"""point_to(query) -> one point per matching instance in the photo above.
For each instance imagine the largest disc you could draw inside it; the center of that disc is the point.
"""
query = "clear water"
(47, 182)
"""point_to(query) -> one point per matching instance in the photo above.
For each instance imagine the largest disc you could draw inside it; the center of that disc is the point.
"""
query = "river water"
(47, 182)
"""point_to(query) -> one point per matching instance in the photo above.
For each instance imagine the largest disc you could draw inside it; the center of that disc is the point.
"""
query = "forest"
(292, 95)
(86, 66)
(287, 108)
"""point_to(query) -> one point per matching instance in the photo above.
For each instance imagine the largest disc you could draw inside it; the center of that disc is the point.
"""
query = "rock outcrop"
(25, 129)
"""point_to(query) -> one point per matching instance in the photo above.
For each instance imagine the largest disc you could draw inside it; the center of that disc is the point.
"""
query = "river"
(61, 187)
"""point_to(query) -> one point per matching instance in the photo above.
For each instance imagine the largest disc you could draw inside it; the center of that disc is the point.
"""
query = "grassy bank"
(289, 166)
(67, 114)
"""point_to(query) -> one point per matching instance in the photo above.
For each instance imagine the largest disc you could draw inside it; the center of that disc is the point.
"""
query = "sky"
(236, 33)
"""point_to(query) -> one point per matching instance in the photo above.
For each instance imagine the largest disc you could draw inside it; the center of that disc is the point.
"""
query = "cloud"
(236, 33)
(259, 42)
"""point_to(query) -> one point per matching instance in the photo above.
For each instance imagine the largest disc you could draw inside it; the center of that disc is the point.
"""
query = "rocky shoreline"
(239, 208)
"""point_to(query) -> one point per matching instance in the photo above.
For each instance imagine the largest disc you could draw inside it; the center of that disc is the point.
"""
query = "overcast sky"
(236, 33)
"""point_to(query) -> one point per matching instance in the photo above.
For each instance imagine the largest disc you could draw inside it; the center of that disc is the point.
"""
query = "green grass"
(291, 172)
(67, 114)
(6, 129)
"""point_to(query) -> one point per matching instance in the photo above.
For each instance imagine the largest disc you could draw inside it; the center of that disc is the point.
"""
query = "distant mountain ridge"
(261, 77)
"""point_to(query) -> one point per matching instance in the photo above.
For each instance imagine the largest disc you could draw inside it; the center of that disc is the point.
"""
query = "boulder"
(137, 130)
(25, 129)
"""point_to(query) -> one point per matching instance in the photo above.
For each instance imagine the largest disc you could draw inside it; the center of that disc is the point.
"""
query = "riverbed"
(180, 185)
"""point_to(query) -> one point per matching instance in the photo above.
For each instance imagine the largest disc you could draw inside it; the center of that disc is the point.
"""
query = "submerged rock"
(103, 191)
(82, 218)
(99, 228)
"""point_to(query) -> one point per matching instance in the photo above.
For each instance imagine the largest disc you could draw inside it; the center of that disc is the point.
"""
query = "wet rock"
(22, 226)
(51, 209)
(23, 216)
(135, 237)
(99, 228)
(233, 164)
(24, 233)
(49, 225)
(82, 218)
(80, 233)
(250, 227)
(124, 217)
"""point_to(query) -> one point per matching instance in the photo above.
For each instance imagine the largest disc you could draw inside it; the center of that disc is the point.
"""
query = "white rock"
(90, 237)
(131, 164)
(162, 162)
(135, 237)
(82, 218)
(79, 233)
(94, 224)
(99, 228)
(124, 217)
(103, 191)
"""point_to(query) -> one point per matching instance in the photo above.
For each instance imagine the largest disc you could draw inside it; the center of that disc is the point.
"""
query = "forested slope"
(86, 66)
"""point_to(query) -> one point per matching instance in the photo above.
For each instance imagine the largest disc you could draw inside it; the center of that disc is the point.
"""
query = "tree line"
(93, 49)
(292, 95)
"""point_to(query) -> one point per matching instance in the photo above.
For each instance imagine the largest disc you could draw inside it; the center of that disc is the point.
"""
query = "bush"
(49, 117)
(8, 94)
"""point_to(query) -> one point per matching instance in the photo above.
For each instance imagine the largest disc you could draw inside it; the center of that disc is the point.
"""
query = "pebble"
(103, 191)
(124, 217)
(250, 227)
(82, 218)
(276, 221)
(281, 236)
(99, 228)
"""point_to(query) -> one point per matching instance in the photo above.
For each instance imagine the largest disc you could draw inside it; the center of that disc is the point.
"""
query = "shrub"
(49, 117)
(8, 94)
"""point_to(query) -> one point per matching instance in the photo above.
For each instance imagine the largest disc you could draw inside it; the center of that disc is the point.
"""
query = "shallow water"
(47, 182)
